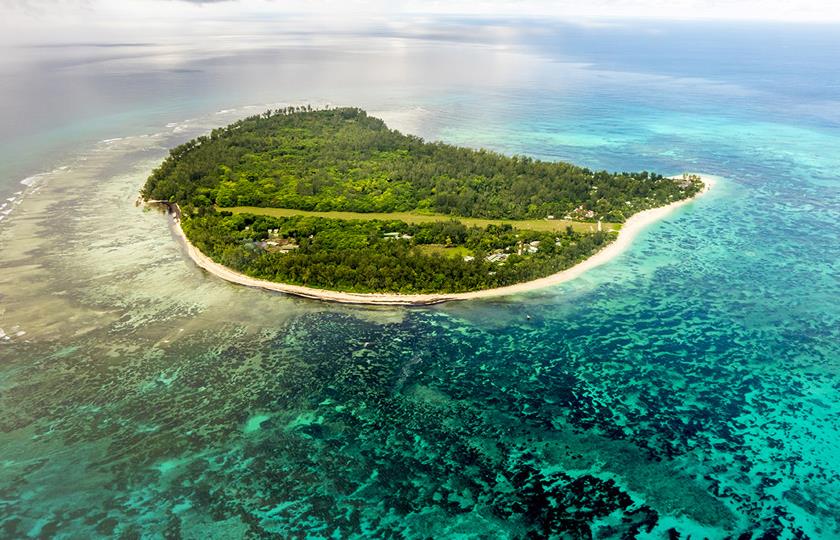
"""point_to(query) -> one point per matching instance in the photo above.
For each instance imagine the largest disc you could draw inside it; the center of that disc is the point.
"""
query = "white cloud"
(54, 20)
(814, 10)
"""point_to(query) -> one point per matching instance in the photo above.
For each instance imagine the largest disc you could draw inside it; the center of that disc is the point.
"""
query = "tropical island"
(333, 204)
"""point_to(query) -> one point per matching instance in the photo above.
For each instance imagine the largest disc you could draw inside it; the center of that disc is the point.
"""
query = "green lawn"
(409, 217)
(440, 249)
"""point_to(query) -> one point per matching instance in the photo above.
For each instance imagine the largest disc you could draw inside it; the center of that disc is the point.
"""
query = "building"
(396, 236)
(498, 257)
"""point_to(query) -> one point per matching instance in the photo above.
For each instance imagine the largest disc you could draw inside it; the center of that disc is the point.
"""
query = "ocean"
(690, 388)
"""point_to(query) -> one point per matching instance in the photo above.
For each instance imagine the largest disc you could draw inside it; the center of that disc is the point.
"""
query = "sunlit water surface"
(691, 386)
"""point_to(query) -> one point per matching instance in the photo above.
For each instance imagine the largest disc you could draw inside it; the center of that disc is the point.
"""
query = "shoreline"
(629, 230)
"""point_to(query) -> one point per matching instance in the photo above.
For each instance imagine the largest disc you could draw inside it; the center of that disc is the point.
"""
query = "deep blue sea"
(688, 389)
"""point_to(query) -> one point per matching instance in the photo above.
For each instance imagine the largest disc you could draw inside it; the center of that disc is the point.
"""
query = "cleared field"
(409, 217)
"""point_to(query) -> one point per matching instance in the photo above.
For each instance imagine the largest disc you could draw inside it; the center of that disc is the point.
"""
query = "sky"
(35, 21)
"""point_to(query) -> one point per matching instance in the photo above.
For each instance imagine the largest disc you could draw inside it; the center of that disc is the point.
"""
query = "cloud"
(817, 10)
(35, 21)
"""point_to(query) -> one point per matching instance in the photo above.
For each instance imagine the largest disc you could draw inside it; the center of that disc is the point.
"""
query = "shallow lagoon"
(691, 384)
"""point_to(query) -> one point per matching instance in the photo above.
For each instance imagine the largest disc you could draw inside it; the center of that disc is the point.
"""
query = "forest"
(385, 256)
(343, 159)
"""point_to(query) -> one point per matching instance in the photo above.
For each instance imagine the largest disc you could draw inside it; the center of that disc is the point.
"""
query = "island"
(333, 204)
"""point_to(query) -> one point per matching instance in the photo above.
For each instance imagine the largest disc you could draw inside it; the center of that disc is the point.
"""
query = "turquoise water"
(690, 387)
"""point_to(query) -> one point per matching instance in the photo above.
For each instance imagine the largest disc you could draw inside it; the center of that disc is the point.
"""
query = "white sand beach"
(631, 228)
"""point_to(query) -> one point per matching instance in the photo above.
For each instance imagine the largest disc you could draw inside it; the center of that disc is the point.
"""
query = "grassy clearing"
(409, 217)
(456, 252)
